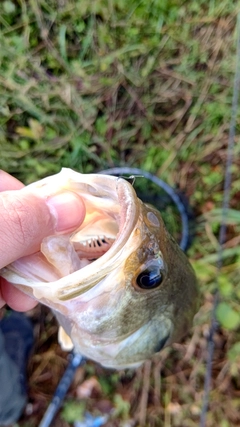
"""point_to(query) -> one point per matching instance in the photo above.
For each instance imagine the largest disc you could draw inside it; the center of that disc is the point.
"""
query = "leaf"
(9, 6)
(73, 411)
(62, 42)
(122, 407)
(227, 316)
(34, 131)
(234, 352)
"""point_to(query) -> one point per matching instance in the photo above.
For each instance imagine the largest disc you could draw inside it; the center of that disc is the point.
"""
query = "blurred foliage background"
(146, 83)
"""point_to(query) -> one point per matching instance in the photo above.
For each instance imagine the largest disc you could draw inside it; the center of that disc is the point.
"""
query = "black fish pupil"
(150, 278)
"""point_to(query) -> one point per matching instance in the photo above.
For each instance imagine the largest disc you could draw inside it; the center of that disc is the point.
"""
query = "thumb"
(26, 218)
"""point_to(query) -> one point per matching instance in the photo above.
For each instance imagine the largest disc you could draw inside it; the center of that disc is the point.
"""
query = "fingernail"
(68, 209)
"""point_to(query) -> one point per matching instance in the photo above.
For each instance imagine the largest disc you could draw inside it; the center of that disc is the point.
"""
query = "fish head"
(120, 286)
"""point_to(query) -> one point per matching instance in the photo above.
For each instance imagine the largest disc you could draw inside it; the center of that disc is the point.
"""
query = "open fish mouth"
(111, 214)
(119, 285)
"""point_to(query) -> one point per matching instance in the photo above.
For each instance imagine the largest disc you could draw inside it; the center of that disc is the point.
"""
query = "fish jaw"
(129, 352)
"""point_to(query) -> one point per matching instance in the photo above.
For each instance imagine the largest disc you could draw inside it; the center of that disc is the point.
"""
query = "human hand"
(25, 219)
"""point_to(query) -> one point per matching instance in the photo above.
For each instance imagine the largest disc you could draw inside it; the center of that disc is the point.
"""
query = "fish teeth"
(93, 247)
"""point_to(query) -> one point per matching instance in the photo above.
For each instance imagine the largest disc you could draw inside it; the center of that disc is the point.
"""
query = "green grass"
(94, 84)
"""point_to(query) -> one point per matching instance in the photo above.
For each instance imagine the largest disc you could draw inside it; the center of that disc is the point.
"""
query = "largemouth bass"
(120, 286)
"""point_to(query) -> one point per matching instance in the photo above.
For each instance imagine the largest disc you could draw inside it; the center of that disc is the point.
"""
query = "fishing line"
(184, 243)
(223, 228)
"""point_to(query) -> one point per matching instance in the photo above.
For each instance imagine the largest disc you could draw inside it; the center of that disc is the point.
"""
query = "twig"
(144, 396)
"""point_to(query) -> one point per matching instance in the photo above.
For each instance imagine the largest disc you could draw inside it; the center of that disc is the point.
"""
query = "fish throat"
(93, 239)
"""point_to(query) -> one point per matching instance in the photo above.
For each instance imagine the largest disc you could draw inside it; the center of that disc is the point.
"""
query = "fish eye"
(150, 278)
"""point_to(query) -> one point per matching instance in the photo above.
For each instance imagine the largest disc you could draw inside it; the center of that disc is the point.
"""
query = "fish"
(120, 286)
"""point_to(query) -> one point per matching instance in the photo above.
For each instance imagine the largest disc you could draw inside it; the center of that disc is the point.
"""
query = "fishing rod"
(223, 228)
(76, 360)
(88, 420)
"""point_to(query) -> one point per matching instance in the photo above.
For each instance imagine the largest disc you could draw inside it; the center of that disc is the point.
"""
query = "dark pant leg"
(12, 401)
